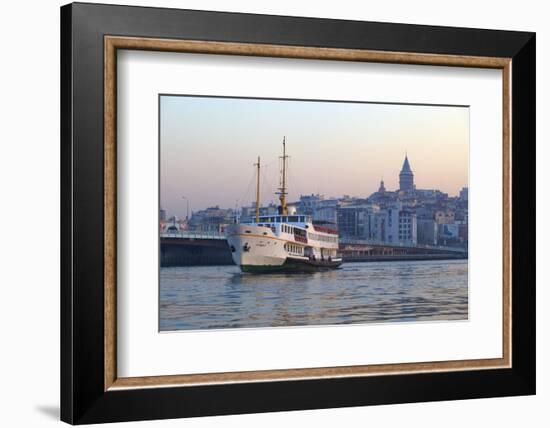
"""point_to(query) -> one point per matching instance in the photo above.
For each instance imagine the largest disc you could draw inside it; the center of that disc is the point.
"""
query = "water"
(216, 297)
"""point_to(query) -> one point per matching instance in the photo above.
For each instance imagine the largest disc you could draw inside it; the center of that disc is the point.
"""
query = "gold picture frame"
(114, 43)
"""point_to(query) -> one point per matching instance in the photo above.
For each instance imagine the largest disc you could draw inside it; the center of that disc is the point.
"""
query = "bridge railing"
(193, 234)
(348, 241)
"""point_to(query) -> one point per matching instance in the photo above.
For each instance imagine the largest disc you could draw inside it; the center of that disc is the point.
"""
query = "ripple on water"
(217, 297)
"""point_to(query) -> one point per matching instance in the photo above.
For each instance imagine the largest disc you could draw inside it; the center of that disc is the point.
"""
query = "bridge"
(192, 234)
(363, 250)
(194, 248)
(197, 247)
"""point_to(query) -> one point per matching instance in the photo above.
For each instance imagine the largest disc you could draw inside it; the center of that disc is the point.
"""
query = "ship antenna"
(282, 193)
(257, 165)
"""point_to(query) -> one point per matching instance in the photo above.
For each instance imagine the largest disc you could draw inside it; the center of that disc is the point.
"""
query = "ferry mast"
(257, 165)
(282, 190)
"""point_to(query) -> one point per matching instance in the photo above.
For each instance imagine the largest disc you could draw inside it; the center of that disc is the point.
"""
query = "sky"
(208, 147)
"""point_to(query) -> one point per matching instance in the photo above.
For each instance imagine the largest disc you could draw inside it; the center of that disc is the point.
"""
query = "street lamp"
(187, 200)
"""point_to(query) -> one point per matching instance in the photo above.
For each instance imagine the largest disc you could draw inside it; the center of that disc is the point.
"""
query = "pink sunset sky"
(208, 146)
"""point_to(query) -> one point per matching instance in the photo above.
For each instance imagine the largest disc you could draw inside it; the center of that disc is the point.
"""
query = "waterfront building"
(430, 196)
(448, 231)
(250, 211)
(426, 231)
(327, 211)
(400, 225)
(358, 221)
(461, 216)
(463, 232)
(308, 203)
(425, 211)
(395, 223)
(444, 217)
(382, 196)
(464, 194)
(407, 229)
(173, 225)
(349, 221)
(211, 219)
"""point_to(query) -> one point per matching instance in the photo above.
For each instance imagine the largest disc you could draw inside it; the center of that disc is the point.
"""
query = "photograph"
(295, 212)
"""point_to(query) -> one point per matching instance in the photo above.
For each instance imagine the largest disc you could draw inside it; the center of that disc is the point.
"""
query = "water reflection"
(214, 297)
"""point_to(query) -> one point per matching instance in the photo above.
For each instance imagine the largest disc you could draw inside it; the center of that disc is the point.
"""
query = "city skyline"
(208, 147)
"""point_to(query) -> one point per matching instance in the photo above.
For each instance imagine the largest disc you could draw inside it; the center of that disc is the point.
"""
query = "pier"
(194, 249)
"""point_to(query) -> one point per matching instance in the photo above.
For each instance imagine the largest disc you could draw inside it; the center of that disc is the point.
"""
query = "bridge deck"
(343, 241)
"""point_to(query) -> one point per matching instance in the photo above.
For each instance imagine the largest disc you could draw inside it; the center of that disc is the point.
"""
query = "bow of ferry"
(253, 247)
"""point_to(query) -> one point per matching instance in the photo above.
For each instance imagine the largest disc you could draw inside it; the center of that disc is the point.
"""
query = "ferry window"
(293, 219)
(285, 219)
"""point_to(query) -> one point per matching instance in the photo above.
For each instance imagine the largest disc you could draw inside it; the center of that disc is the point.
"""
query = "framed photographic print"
(265, 213)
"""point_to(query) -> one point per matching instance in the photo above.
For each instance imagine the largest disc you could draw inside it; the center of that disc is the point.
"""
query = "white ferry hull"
(256, 249)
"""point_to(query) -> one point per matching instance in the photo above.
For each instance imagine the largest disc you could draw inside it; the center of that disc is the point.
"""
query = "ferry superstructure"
(285, 242)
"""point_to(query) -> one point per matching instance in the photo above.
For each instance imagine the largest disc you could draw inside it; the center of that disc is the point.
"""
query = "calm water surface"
(214, 297)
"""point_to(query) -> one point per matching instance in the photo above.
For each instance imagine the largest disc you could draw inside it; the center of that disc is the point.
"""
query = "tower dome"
(406, 177)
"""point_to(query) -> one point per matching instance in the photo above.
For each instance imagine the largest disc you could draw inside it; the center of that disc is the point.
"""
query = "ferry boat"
(285, 242)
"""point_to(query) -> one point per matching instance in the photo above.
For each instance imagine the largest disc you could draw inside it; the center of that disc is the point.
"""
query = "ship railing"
(300, 238)
(325, 229)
